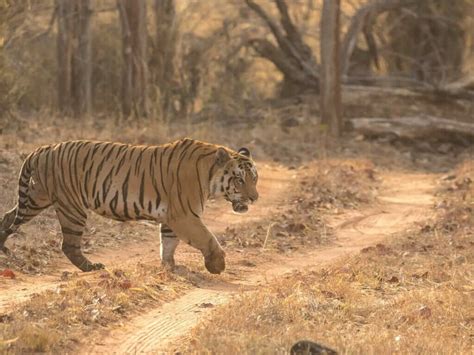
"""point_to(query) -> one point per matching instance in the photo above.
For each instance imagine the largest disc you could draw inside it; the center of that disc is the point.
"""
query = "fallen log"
(417, 127)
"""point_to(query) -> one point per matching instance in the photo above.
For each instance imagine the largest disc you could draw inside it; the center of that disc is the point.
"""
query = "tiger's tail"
(15, 217)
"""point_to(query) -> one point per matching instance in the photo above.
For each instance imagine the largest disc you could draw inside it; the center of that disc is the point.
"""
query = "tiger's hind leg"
(5, 224)
(168, 245)
(31, 204)
(72, 228)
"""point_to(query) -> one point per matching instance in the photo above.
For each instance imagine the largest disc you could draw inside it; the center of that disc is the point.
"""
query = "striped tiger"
(168, 184)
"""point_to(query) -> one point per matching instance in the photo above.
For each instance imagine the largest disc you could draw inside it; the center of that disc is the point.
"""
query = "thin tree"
(134, 52)
(162, 62)
(330, 83)
(74, 56)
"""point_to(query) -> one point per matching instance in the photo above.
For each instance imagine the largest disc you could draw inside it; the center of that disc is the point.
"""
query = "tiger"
(168, 184)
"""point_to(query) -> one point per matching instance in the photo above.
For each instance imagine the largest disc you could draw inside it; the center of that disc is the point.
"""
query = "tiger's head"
(236, 179)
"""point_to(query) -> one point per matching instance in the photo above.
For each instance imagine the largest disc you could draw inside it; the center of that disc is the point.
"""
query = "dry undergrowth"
(323, 187)
(57, 320)
(413, 295)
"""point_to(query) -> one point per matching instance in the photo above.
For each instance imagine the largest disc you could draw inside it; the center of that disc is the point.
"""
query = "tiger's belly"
(133, 211)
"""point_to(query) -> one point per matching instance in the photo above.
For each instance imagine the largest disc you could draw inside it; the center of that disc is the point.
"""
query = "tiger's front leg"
(168, 243)
(192, 231)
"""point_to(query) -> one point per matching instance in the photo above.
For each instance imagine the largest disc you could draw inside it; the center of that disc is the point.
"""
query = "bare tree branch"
(292, 56)
(269, 51)
(363, 18)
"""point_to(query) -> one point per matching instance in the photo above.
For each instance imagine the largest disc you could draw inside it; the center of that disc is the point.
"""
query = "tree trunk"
(162, 63)
(74, 56)
(415, 128)
(134, 51)
(330, 82)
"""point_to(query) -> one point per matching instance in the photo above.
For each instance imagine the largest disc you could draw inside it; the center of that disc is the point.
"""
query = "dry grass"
(57, 320)
(413, 295)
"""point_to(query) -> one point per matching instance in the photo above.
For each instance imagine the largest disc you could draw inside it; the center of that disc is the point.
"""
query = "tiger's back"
(120, 181)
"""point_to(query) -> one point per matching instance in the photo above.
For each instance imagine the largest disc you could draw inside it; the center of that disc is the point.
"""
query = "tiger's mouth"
(239, 206)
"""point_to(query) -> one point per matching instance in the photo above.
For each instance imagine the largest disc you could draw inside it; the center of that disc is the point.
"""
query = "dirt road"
(404, 200)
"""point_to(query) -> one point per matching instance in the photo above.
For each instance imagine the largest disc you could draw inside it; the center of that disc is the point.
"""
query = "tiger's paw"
(168, 265)
(97, 266)
(215, 263)
(93, 267)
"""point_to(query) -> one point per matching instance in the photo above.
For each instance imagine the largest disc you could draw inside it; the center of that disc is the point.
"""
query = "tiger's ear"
(245, 152)
(222, 157)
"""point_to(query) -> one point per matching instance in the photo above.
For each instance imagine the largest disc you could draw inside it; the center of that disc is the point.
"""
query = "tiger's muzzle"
(240, 207)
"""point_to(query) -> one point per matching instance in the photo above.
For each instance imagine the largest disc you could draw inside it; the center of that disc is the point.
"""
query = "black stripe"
(96, 147)
(211, 171)
(161, 170)
(71, 181)
(138, 162)
(178, 181)
(106, 185)
(171, 157)
(113, 205)
(125, 194)
(86, 159)
(96, 178)
(137, 210)
(66, 230)
(201, 193)
(190, 208)
(121, 162)
(76, 173)
(46, 164)
(86, 183)
(31, 203)
(194, 150)
(109, 153)
(142, 191)
(155, 187)
(96, 202)
(70, 218)
(120, 150)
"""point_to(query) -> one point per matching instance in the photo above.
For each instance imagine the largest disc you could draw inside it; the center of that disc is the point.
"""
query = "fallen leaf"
(393, 279)
(8, 273)
(425, 312)
(125, 284)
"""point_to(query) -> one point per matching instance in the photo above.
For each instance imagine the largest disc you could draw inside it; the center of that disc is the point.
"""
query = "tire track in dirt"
(274, 184)
(405, 199)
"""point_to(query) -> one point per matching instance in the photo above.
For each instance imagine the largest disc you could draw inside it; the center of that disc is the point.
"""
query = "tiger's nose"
(254, 197)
